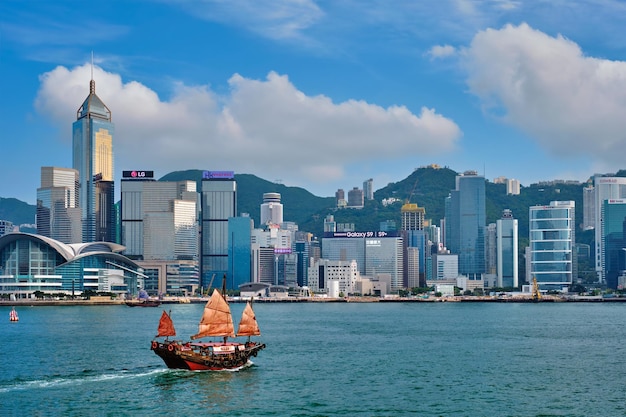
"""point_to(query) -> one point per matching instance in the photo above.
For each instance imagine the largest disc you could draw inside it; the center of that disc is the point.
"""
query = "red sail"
(248, 325)
(216, 319)
(166, 326)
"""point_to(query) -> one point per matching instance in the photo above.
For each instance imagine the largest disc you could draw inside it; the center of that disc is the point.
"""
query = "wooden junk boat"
(220, 355)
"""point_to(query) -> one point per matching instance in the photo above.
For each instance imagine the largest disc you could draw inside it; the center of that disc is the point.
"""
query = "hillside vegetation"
(427, 187)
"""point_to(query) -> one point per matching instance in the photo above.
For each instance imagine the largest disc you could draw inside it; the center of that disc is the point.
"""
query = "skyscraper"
(218, 203)
(506, 236)
(614, 242)
(606, 188)
(271, 209)
(58, 215)
(368, 189)
(465, 223)
(552, 237)
(92, 150)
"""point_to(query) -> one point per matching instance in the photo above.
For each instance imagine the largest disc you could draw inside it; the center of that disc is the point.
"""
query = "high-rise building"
(614, 242)
(606, 188)
(412, 216)
(355, 198)
(552, 238)
(512, 186)
(159, 229)
(507, 243)
(271, 209)
(376, 253)
(302, 248)
(58, 215)
(368, 189)
(159, 218)
(7, 227)
(491, 250)
(218, 203)
(92, 148)
(239, 254)
(340, 198)
(465, 223)
(589, 208)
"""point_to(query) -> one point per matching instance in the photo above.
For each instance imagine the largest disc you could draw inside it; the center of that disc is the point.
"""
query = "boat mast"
(224, 295)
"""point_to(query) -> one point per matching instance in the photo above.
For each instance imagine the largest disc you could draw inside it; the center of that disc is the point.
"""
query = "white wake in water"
(56, 382)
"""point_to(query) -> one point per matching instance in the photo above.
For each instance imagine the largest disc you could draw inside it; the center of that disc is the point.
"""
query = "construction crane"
(536, 295)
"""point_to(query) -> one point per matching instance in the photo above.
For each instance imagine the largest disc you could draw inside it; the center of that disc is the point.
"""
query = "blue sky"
(318, 94)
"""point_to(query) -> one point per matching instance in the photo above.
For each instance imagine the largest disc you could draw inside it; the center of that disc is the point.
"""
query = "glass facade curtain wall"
(552, 240)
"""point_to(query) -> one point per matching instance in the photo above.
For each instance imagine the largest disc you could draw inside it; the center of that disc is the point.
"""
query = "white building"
(507, 246)
(271, 209)
(324, 275)
(512, 186)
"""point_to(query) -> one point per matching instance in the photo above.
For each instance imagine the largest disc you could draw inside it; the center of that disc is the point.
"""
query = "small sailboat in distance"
(13, 315)
(219, 355)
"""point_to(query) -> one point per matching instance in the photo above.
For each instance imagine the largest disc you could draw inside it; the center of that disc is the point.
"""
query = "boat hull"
(206, 356)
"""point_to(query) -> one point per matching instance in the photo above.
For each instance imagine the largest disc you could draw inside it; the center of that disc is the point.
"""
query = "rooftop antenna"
(92, 84)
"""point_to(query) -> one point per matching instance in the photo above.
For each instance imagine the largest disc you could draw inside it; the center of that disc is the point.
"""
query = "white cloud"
(570, 103)
(280, 19)
(265, 127)
(441, 51)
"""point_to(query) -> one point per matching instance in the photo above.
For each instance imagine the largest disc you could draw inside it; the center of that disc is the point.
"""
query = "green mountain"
(428, 187)
(16, 211)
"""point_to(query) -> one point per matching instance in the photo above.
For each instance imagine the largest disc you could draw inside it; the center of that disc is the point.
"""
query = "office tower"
(92, 155)
(334, 277)
(606, 188)
(614, 242)
(415, 237)
(445, 266)
(512, 187)
(491, 250)
(355, 198)
(239, 254)
(552, 238)
(58, 215)
(412, 216)
(218, 203)
(412, 256)
(375, 253)
(7, 227)
(340, 198)
(368, 189)
(330, 225)
(302, 248)
(263, 264)
(465, 223)
(159, 219)
(507, 241)
(589, 208)
(271, 209)
(159, 229)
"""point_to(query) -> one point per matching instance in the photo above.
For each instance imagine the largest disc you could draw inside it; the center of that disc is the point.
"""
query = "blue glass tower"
(92, 155)
(465, 223)
(614, 241)
(239, 252)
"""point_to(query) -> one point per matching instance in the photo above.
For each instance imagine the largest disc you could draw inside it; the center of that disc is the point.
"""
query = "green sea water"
(326, 359)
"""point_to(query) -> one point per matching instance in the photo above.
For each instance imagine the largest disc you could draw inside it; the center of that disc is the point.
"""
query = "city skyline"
(319, 95)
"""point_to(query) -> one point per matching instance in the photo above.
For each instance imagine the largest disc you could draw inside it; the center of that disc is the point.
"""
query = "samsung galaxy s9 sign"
(138, 174)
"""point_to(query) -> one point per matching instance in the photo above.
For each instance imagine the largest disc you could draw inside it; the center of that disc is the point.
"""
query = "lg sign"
(138, 174)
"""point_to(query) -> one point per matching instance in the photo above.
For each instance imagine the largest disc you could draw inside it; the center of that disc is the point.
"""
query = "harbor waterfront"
(326, 359)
